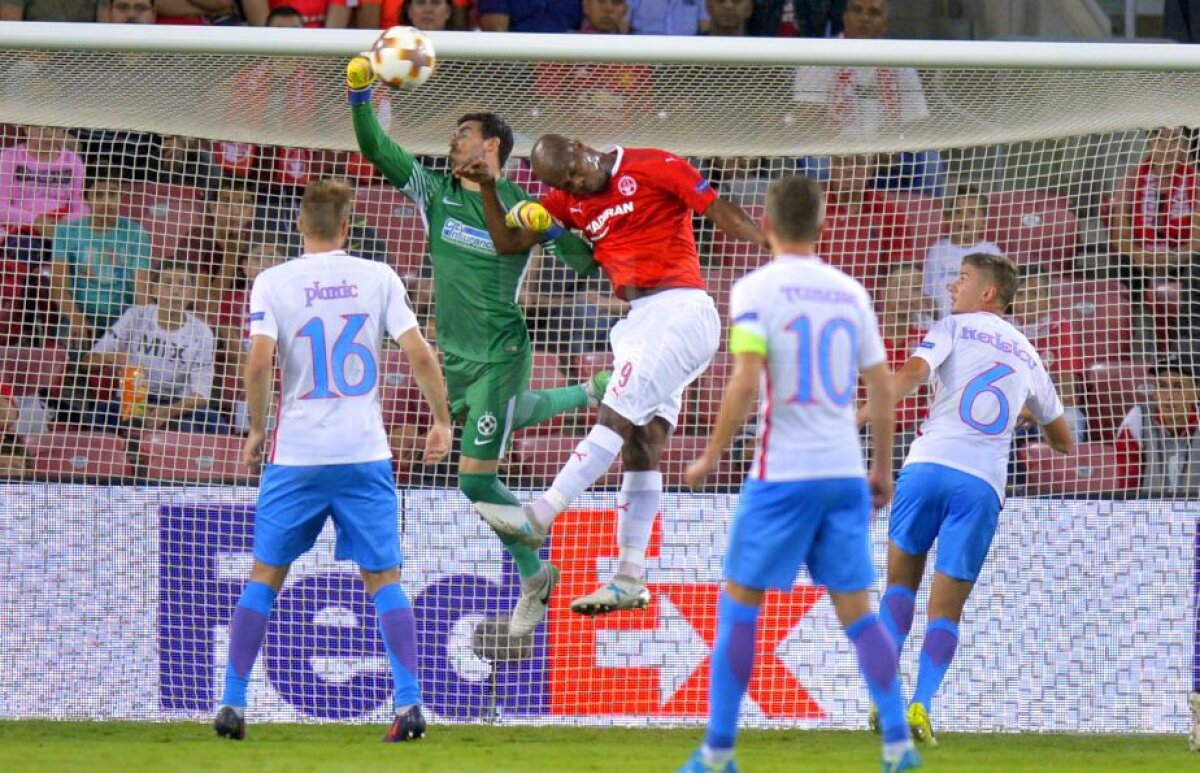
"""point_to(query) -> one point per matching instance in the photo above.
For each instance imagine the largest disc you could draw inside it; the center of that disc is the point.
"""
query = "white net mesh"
(147, 522)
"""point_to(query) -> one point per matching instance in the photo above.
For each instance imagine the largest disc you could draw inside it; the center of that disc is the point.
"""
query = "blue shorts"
(822, 524)
(293, 503)
(956, 508)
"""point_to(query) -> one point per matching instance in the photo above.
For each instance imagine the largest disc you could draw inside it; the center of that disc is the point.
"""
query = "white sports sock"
(715, 757)
(590, 459)
(637, 507)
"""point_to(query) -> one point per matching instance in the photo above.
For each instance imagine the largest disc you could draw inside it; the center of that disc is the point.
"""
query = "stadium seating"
(705, 394)
(1034, 227)
(68, 455)
(397, 221)
(14, 279)
(1108, 391)
(584, 365)
(1101, 318)
(1163, 302)
(682, 450)
(180, 457)
(27, 369)
(167, 212)
(395, 369)
(923, 218)
(1091, 469)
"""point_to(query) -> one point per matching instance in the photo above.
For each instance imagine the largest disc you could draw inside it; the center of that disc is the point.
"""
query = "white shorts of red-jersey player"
(667, 340)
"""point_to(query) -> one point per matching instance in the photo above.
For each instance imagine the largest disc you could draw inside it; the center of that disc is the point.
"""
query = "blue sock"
(896, 614)
(732, 662)
(247, 629)
(877, 662)
(941, 640)
(399, 628)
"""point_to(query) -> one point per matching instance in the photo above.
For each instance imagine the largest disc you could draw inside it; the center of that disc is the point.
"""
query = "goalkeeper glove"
(532, 216)
(359, 80)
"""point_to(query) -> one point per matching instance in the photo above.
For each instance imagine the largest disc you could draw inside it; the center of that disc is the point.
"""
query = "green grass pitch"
(130, 747)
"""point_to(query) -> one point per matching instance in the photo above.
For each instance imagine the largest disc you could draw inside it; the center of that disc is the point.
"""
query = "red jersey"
(640, 225)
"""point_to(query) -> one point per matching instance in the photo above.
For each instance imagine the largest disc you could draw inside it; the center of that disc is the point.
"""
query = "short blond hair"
(325, 208)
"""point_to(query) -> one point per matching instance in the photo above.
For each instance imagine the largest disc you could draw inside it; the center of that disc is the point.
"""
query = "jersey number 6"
(985, 383)
(344, 347)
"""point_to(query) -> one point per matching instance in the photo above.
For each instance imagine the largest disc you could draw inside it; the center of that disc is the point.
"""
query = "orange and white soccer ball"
(403, 57)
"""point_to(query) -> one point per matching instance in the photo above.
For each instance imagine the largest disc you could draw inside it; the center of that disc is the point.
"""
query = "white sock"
(637, 507)
(715, 757)
(590, 459)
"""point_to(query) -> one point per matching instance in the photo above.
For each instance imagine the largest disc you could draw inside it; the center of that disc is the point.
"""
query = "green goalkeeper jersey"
(475, 290)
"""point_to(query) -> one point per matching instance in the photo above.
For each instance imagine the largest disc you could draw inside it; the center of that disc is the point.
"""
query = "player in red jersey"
(636, 206)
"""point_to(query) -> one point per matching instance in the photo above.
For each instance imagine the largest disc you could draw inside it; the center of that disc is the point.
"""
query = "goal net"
(143, 189)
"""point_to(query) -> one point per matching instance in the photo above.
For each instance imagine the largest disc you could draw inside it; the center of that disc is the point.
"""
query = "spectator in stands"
(134, 11)
(195, 12)
(101, 265)
(422, 14)
(54, 10)
(233, 330)
(41, 183)
(173, 349)
(605, 17)
(867, 101)
(567, 313)
(904, 318)
(1154, 223)
(668, 17)
(315, 13)
(864, 230)
(529, 15)
(797, 18)
(13, 462)
(1158, 444)
(729, 18)
(216, 248)
(1048, 328)
(966, 217)
(284, 17)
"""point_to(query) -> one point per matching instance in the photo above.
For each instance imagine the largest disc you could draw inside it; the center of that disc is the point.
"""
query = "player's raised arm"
(686, 182)
(396, 163)
(513, 231)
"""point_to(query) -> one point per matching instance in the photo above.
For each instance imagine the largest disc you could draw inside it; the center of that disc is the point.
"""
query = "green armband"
(743, 341)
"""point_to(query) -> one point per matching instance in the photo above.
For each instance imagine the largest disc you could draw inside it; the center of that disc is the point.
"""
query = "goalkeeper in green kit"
(480, 328)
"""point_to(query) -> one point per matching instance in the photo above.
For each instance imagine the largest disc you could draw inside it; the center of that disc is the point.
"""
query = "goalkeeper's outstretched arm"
(393, 161)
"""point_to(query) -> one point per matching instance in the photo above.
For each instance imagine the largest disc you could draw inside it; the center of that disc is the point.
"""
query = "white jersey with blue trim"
(328, 313)
(983, 371)
(819, 330)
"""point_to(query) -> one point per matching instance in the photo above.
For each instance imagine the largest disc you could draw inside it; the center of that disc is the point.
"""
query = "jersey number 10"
(344, 347)
(802, 327)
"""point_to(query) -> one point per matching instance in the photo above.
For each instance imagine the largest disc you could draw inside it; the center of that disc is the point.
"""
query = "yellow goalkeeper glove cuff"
(532, 216)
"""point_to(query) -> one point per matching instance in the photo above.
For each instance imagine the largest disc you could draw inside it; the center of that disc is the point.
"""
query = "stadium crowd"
(127, 260)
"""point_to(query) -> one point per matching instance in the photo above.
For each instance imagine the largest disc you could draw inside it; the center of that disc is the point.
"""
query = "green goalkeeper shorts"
(483, 397)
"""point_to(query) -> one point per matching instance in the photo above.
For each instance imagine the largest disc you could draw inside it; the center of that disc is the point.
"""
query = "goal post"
(126, 155)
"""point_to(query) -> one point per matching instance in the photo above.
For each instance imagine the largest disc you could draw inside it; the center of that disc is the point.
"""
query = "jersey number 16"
(344, 347)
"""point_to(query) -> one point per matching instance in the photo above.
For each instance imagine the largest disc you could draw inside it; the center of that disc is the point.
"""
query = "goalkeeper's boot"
(873, 720)
(596, 387)
(408, 726)
(512, 521)
(697, 765)
(907, 759)
(535, 598)
(1194, 736)
(622, 592)
(230, 724)
(918, 722)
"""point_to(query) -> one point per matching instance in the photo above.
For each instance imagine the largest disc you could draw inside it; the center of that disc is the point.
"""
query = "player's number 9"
(344, 347)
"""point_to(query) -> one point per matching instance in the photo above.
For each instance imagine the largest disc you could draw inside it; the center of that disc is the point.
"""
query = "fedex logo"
(319, 293)
(324, 658)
